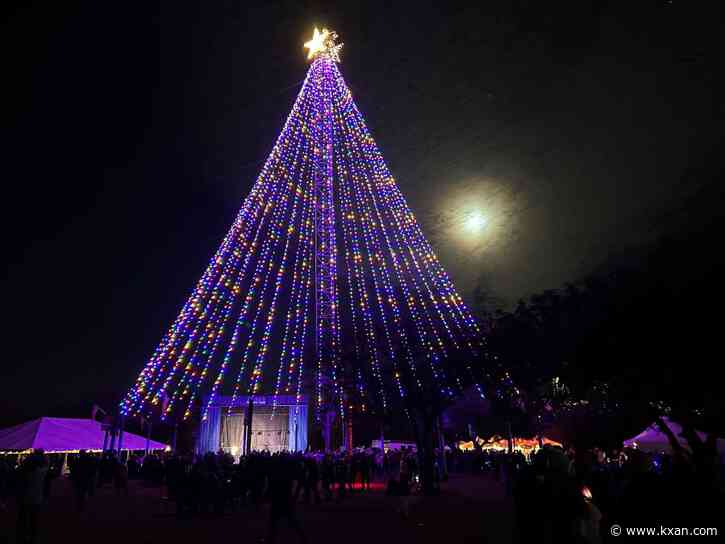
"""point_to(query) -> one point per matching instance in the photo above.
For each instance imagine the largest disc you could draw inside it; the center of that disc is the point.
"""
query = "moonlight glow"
(475, 222)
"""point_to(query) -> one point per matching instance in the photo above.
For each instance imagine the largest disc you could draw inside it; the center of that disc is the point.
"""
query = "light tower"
(325, 259)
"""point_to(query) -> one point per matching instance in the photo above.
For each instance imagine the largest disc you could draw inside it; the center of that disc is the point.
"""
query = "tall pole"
(248, 419)
(173, 438)
(325, 244)
(442, 450)
(327, 429)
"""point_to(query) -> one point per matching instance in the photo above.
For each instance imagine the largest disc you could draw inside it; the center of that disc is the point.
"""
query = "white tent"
(653, 440)
(55, 434)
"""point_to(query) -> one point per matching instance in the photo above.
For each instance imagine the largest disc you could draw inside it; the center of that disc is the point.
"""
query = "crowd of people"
(578, 495)
(558, 495)
(214, 482)
(210, 484)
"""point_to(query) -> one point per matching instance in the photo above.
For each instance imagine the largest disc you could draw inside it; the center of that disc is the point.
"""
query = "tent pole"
(120, 436)
(148, 437)
(114, 429)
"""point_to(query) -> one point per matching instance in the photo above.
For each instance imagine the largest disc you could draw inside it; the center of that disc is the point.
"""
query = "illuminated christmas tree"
(325, 284)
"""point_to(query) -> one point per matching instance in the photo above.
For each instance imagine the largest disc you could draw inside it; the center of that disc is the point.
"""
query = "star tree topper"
(323, 44)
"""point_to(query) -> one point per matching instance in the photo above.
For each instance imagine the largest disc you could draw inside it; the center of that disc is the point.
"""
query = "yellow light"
(323, 44)
(587, 493)
(317, 43)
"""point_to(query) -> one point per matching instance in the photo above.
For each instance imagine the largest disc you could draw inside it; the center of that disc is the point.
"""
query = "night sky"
(132, 132)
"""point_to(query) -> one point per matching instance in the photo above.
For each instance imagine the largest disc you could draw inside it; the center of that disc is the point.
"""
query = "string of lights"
(325, 284)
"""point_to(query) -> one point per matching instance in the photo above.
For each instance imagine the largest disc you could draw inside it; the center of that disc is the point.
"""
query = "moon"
(475, 222)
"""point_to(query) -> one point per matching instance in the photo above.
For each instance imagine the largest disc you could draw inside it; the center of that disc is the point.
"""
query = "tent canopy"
(55, 434)
(653, 440)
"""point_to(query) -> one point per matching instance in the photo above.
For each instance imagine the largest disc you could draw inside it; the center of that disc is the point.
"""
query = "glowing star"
(323, 44)
(317, 43)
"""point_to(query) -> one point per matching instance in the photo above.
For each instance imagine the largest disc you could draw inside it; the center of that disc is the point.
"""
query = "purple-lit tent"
(55, 434)
(653, 440)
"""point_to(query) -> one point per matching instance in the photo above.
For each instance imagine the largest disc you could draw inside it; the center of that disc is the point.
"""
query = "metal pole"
(114, 430)
(327, 430)
(120, 435)
(297, 433)
(442, 449)
(249, 416)
(148, 436)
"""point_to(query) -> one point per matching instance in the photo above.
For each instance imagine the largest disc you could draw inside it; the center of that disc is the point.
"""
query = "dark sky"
(131, 133)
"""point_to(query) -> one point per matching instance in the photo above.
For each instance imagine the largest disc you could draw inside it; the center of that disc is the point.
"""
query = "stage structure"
(278, 424)
(324, 286)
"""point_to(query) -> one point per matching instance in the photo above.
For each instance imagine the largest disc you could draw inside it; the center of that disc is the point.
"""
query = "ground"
(469, 509)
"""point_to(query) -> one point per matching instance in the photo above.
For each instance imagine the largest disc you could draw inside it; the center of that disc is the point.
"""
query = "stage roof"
(55, 434)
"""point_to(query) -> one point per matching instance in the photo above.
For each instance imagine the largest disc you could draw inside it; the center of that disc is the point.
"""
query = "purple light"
(325, 257)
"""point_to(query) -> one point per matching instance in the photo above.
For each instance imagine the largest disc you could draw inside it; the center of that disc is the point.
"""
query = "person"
(341, 477)
(365, 468)
(282, 504)
(311, 477)
(328, 476)
(82, 474)
(404, 486)
(53, 472)
(120, 477)
(6, 477)
(590, 519)
(352, 464)
(30, 495)
(134, 468)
